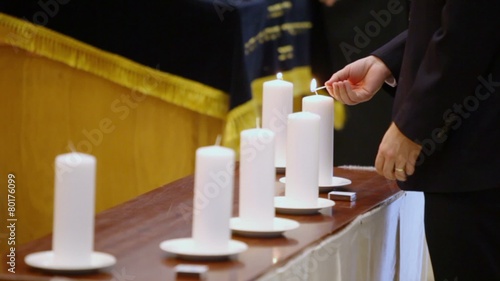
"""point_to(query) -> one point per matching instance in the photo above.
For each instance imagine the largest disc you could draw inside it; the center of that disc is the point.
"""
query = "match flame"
(314, 85)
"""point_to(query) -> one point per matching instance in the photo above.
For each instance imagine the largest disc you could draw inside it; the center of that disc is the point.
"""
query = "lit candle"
(323, 106)
(314, 86)
(257, 177)
(302, 159)
(277, 103)
(74, 201)
(213, 197)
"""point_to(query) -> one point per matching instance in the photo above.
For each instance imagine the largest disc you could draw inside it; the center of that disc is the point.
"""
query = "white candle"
(257, 177)
(277, 103)
(302, 158)
(323, 106)
(213, 197)
(74, 201)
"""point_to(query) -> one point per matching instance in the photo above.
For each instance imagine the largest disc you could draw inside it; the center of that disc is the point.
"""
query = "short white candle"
(213, 197)
(257, 177)
(302, 158)
(323, 106)
(74, 201)
(277, 103)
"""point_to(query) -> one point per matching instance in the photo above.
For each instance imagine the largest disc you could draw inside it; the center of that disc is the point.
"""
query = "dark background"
(357, 143)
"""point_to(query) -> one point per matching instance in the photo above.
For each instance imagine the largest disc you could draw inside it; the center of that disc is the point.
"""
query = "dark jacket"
(447, 65)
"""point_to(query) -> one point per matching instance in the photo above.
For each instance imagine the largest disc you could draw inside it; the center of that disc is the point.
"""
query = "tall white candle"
(74, 201)
(213, 197)
(302, 158)
(277, 103)
(257, 177)
(323, 106)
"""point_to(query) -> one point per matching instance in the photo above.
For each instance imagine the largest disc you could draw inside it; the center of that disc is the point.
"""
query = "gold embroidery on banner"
(285, 52)
(274, 32)
(294, 28)
(278, 10)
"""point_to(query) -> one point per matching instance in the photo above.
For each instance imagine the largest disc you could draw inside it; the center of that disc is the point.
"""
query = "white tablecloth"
(386, 243)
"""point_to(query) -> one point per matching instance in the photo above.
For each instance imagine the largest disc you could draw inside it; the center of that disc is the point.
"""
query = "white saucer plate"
(284, 205)
(45, 260)
(280, 225)
(186, 248)
(336, 182)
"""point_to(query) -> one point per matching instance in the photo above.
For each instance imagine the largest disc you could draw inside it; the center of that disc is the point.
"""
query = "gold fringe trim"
(240, 118)
(168, 87)
(171, 88)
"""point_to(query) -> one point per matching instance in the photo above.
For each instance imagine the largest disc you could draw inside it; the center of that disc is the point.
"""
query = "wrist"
(385, 71)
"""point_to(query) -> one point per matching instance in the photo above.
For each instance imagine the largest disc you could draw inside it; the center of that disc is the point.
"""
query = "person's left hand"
(397, 155)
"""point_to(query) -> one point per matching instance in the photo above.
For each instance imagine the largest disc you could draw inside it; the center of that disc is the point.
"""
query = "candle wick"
(316, 92)
(218, 140)
(257, 123)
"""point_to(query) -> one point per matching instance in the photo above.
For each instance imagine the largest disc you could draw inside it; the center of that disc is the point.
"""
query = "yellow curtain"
(142, 125)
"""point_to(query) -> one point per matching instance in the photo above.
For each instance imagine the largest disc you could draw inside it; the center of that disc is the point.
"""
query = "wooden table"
(133, 231)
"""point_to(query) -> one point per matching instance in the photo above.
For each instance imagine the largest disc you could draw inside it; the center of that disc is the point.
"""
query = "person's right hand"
(328, 3)
(358, 81)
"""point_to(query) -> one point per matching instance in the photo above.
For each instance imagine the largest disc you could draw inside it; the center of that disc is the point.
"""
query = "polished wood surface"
(133, 231)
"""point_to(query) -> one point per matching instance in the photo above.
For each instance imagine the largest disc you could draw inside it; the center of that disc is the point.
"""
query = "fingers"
(390, 169)
(339, 85)
(400, 173)
(340, 75)
(379, 164)
(342, 91)
(412, 160)
(385, 167)
(347, 93)
(328, 3)
(397, 155)
(400, 169)
(409, 168)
